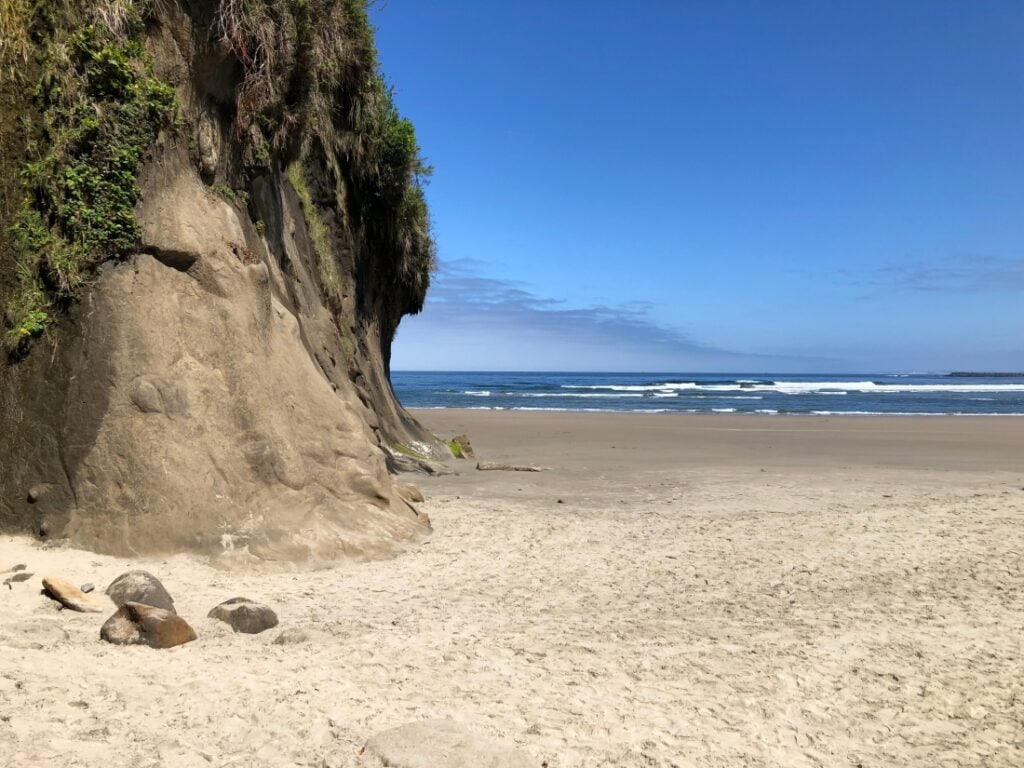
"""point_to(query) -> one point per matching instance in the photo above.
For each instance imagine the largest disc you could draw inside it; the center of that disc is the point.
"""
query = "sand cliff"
(220, 383)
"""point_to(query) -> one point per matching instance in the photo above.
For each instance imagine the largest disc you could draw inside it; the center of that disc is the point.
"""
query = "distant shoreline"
(986, 375)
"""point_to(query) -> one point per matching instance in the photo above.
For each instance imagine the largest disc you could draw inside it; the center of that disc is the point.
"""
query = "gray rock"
(244, 615)
(441, 744)
(20, 576)
(18, 567)
(140, 587)
(88, 587)
(138, 624)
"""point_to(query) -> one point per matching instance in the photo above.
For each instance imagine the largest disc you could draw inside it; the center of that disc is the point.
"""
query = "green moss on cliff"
(311, 98)
(97, 108)
(318, 234)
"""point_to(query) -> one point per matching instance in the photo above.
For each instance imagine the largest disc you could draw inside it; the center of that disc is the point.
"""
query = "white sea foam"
(634, 387)
(616, 395)
(477, 392)
(908, 413)
(804, 387)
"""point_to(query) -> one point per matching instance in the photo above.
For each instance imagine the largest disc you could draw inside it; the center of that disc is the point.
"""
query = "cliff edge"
(212, 224)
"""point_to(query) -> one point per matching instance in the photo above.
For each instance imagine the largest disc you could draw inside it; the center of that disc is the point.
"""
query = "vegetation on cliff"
(309, 98)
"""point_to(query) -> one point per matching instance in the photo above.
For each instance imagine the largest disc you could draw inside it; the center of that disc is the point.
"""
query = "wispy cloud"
(460, 291)
(475, 321)
(963, 274)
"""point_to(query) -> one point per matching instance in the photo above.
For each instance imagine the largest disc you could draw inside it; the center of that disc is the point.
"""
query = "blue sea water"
(762, 393)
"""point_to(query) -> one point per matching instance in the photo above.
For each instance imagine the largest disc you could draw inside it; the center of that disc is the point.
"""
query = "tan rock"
(138, 624)
(441, 743)
(409, 492)
(70, 596)
(298, 636)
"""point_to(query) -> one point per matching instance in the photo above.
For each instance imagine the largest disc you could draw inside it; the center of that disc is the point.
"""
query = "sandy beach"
(674, 590)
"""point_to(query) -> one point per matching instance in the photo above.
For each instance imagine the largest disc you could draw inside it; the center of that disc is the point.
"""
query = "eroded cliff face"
(223, 386)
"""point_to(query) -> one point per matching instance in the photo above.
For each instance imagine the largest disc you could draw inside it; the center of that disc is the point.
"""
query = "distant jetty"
(987, 375)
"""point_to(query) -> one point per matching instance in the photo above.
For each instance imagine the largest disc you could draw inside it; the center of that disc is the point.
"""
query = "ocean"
(760, 393)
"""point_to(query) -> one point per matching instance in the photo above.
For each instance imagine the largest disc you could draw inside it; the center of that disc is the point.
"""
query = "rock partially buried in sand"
(461, 447)
(138, 624)
(140, 587)
(33, 633)
(243, 615)
(297, 636)
(409, 492)
(70, 596)
(441, 744)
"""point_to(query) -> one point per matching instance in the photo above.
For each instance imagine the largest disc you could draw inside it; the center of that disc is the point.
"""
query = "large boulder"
(441, 744)
(140, 587)
(244, 615)
(138, 624)
(70, 596)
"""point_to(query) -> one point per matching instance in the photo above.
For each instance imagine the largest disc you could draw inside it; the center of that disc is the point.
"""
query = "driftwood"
(490, 465)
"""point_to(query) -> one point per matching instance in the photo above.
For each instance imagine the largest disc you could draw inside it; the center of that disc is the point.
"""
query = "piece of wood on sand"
(485, 466)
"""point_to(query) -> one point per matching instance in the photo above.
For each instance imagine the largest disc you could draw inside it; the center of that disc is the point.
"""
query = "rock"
(441, 744)
(179, 222)
(208, 142)
(20, 576)
(33, 633)
(409, 492)
(243, 615)
(138, 624)
(297, 636)
(461, 447)
(88, 587)
(402, 463)
(493, 466)
(70, 596)
(140, 587)
(15, 568)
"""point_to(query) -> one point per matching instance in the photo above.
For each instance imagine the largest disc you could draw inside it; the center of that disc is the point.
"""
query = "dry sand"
(712, 591)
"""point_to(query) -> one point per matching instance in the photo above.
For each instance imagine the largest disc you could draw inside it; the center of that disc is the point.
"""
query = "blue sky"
(694, 186)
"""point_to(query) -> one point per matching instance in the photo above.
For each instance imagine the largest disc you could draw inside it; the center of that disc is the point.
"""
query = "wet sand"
(676, 590)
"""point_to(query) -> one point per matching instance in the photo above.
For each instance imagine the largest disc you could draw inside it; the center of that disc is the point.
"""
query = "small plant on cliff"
(318, 234)
(99, 107)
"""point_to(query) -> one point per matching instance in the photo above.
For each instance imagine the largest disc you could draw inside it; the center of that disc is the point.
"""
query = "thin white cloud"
(962, 274)
(477, 322)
